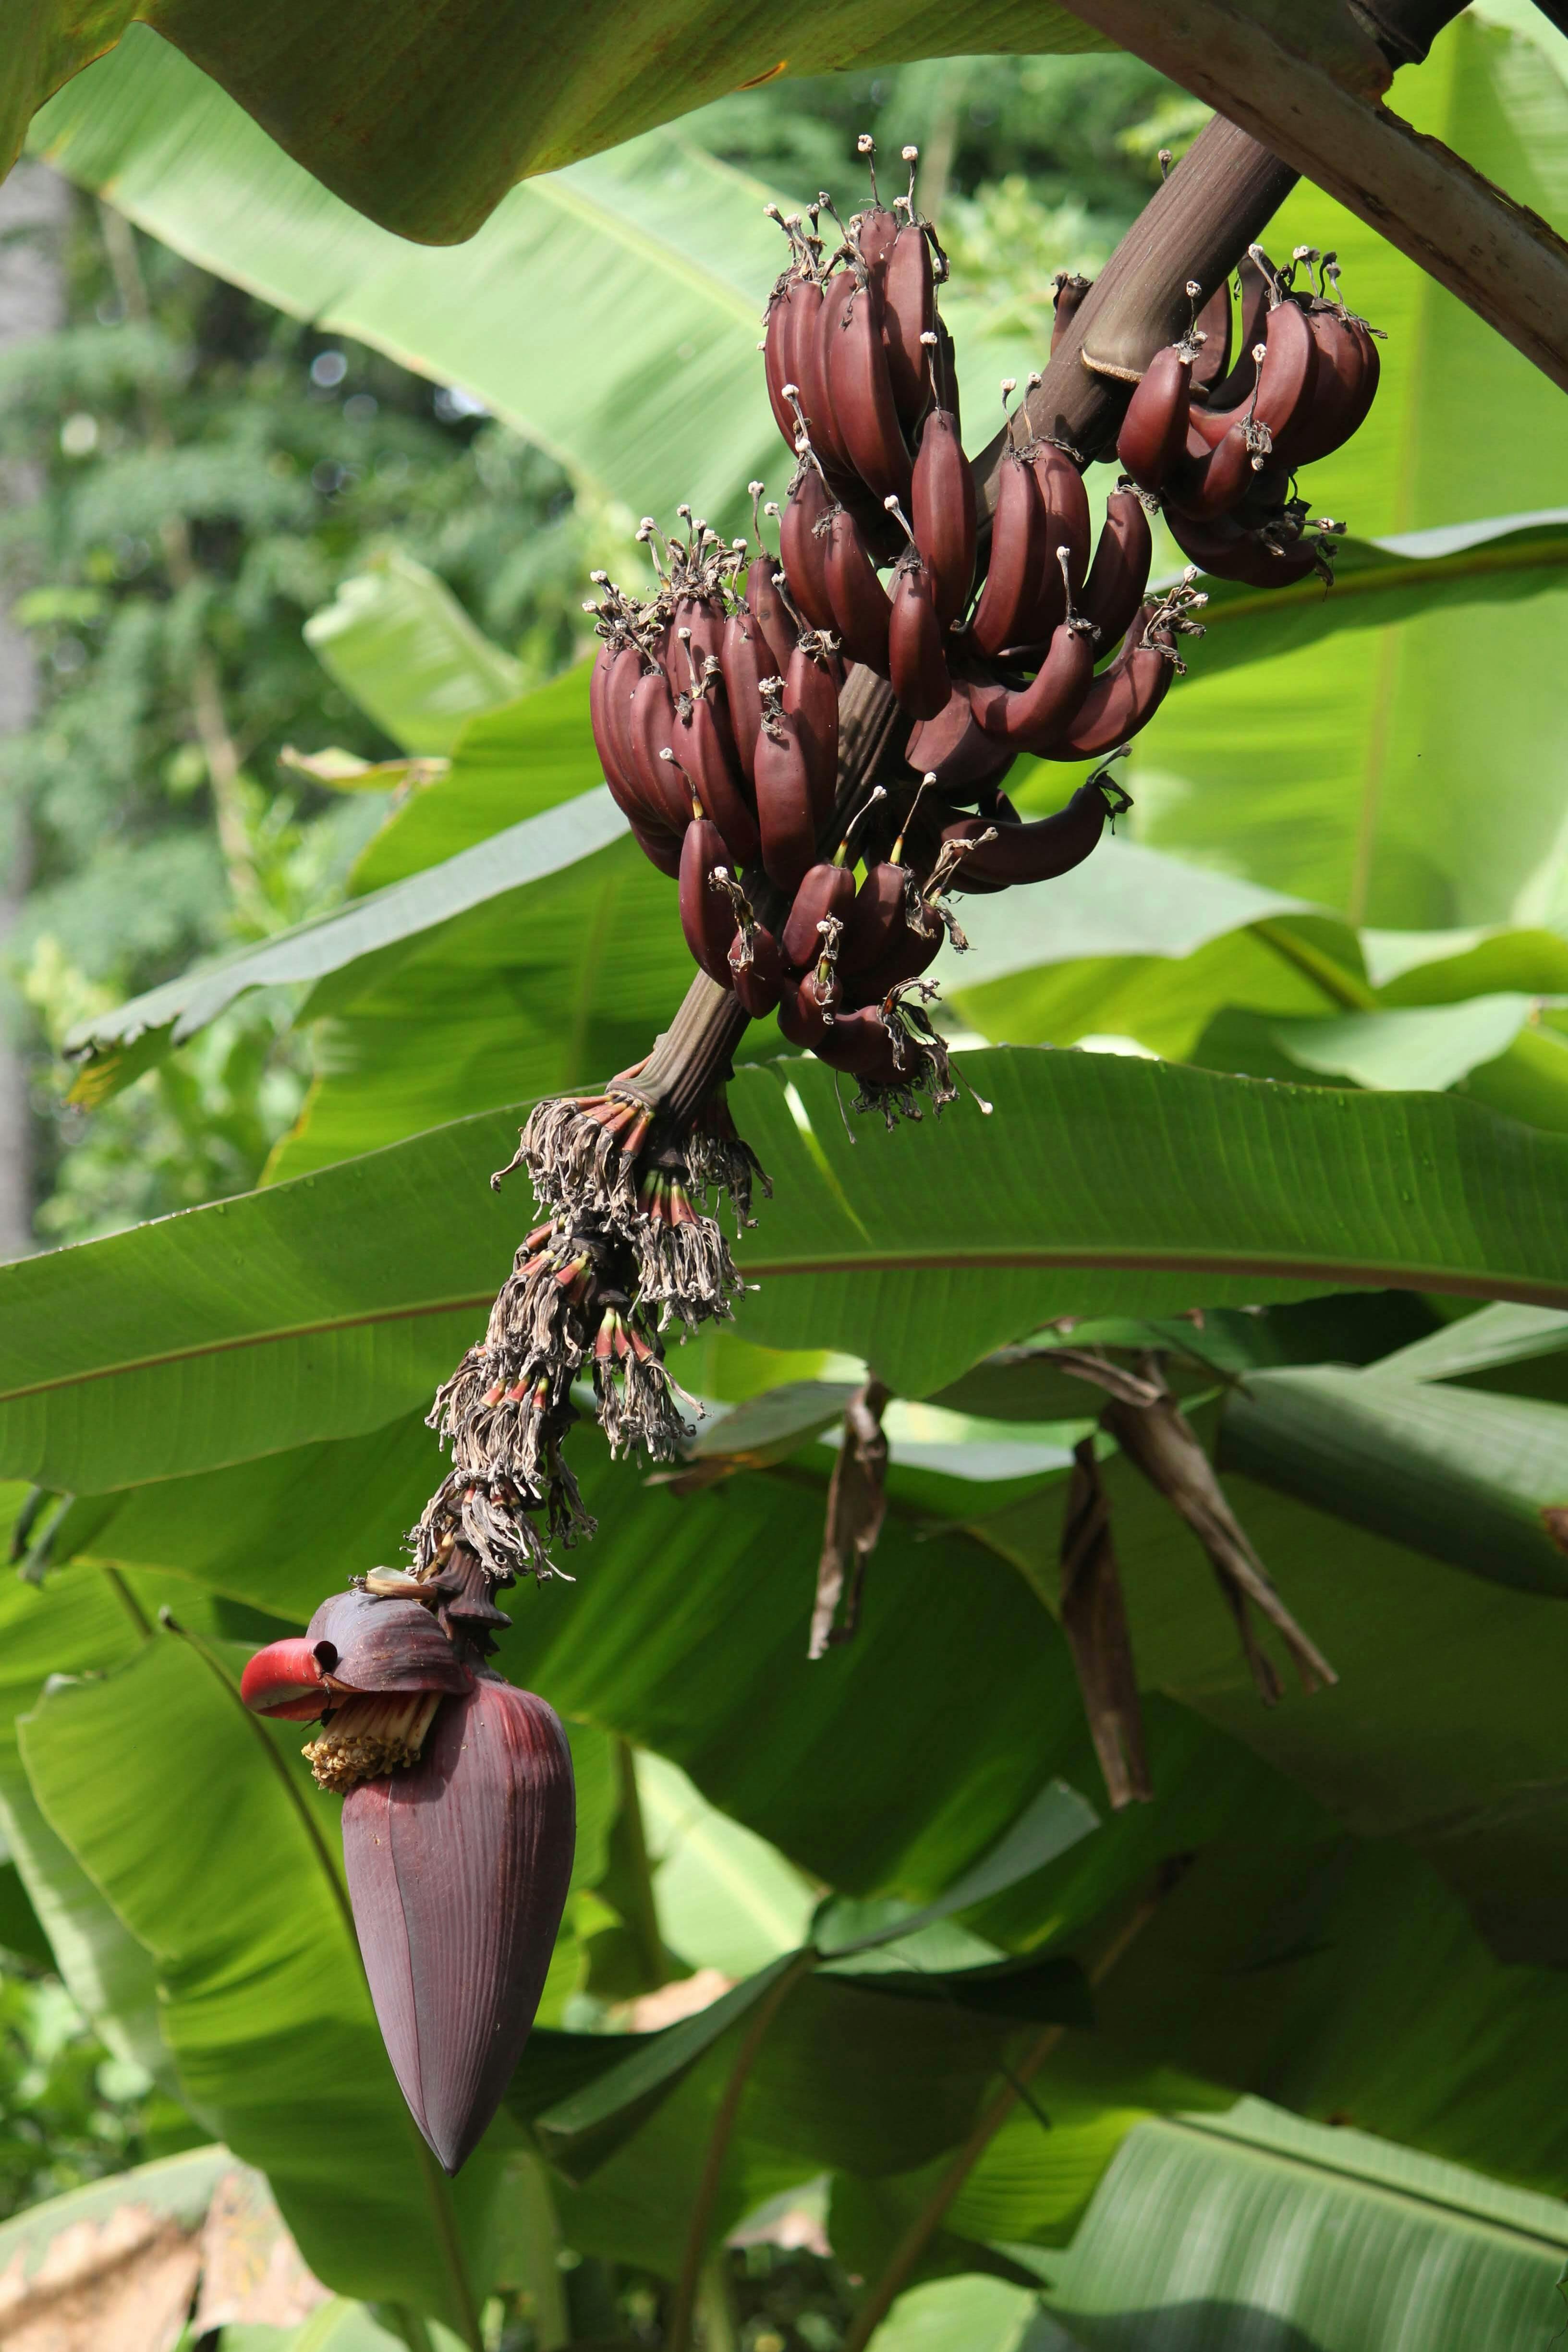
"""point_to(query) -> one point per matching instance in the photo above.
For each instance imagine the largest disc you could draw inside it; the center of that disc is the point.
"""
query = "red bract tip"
(284, 1680)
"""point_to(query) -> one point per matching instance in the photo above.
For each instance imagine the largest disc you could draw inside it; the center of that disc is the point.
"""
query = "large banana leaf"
(423, 118)
(1256, 2233)
(1478, 1480)
(675, 1636)
(364, 937)
(327, 1306)
(610, 311)
(202, 1827)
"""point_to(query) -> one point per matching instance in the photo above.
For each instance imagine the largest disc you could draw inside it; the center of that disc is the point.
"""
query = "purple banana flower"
(459, 1823)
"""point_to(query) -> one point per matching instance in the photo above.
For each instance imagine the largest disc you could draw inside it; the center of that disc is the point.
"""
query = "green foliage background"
(1308, 2000)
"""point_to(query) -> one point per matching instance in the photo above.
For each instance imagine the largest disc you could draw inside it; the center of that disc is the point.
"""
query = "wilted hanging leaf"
(1158, 1439)
(857, 1503)
(1094, 1619)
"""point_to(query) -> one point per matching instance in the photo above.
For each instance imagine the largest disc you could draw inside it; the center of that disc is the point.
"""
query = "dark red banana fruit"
(875, 919)
(1227, 549)
(1153, 435)
(1257, 285)
(745, 658)
(909, 309)
(1240, 441)
(875, 232)
(1018, 554)
(759, 982)
(1065, 502)
(1037, 853)
(824, 890)
(787, 819)
(661, 849)
(858, 599)
(859, 389)
(652, 735)
(1030, 717)
(1343, 388)
(942, 514)
(802, 1015)
(769, 611)
(811, 696)
(1120, 572)
(458, 1870)
(791, 331)
(917, 661)
(858, 1045)
(1212, 323)
(1122, 698)
(704, 748)
(803, 545)
(955, 748)
(908, 953)
(707, 918)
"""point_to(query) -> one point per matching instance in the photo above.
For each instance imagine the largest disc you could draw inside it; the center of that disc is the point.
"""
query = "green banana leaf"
(850, 2074)
(20, 1933)
(428, 138)
(100, 1622)
(1255, 2230)
(968, 2314)
(1345, 1982)
(1426, 1047)
(326, 1307)
(1515, 1349)
(725, 1898)
(671, 1638)
(201, 1825)
(1476, 1480)
(398, 641)
(704, 1660)
(365, 936)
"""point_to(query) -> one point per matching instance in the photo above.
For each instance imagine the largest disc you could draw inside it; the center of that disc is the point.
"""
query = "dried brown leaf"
(856, 1504)
(1094, 1619)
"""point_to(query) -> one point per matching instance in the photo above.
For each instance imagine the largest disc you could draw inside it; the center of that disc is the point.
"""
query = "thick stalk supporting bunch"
(815, 831)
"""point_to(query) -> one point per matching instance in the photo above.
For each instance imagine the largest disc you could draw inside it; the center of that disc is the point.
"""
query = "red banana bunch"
(860, 376)
(459, 1824)
(715, 701)
(1219, 446)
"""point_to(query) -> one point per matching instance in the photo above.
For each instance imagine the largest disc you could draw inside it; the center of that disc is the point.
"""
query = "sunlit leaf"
(395, 639)
(1256, 2228)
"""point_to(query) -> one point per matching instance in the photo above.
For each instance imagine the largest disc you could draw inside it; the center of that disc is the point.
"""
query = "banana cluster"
(860, 375)
(1219, 446)
(716, 700)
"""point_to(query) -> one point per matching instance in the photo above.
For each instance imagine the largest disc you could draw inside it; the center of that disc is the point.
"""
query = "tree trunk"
(33, 205)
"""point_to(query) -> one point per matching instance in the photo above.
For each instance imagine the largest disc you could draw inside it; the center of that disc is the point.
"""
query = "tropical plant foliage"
(859, 1952)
